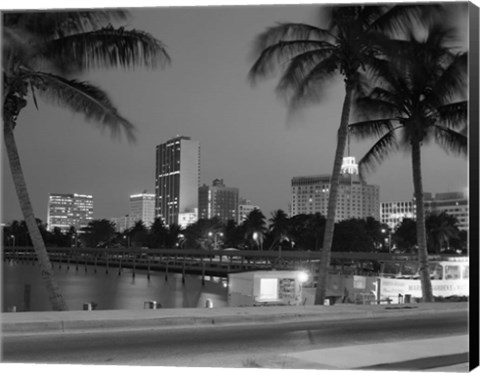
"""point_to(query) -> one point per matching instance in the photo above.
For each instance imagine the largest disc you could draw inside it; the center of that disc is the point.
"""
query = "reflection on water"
(108, 291)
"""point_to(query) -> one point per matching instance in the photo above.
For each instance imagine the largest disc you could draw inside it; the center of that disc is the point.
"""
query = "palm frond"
(381, 101)
(281, 52)
(399, 19)
(453, 82)
(83, 98)
(288, 32)
(451, 141)
(386, 145)
(47, 24)
(108, 47)
(371, 128)
(300, 66)
(453, 115)
(312, 87)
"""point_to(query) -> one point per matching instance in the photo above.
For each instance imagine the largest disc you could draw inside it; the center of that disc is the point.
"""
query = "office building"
(218, 200)
(69, 210)
(356, 199)
(177, 178)
(142, 207)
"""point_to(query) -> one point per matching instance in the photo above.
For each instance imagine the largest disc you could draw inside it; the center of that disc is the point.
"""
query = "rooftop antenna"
(348, 142)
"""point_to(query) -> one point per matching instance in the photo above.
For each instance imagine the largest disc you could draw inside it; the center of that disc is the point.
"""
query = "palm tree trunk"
(332, 199)
(421, 229)
(56, 298)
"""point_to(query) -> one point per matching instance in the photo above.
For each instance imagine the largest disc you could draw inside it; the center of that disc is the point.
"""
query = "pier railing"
(202, 262)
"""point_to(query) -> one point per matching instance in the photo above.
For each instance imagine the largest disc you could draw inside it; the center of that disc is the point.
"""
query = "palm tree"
(418, 97)
(441, 228)
(255, 227)
(278, 227)
(41, 53)
(313, 57)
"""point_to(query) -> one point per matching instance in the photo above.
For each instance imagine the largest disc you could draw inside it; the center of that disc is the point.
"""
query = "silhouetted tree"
(41, 51)
(405, 235)
(419, 96)
(441, 229)
(352, 235)
(139, 234)
(98, 233)
(158, 234)
(278, 228)
(255, 229)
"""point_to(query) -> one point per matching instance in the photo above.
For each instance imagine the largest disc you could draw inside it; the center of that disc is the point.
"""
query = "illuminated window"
(268, 289)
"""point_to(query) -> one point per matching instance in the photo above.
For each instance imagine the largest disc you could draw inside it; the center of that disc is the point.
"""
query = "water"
(108, 291)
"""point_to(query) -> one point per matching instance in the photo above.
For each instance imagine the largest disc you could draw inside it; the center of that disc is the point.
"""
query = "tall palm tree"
(419, 97)
(313, 56)
(41, 52)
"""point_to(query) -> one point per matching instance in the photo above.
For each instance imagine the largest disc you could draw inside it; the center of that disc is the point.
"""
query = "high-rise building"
(69, 210)
(245, 207)
(356, 199)
(218, 200)
(177, 178)
(142, 207)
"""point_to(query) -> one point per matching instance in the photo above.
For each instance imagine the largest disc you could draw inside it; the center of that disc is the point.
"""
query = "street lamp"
(180, 240)
(127, 237)
(215, 235)
(388, 239)
(258, 241)
(13, 239)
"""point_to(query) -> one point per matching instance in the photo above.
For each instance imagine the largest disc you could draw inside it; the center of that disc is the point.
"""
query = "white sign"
(391, 288)
(359, 282)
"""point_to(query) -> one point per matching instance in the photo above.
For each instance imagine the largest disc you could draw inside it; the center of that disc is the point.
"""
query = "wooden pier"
(198, 262)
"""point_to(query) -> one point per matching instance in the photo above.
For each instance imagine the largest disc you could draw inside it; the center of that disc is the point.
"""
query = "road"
(230, 346)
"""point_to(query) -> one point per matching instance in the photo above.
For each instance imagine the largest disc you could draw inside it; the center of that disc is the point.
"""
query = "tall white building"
(177, 178)
(142, 207)
(69, 210)
(356, 199)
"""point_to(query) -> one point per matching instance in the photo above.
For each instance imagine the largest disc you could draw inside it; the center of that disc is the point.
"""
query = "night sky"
(243, 131)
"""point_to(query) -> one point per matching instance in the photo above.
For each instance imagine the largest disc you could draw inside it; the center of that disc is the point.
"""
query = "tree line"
(300, 232)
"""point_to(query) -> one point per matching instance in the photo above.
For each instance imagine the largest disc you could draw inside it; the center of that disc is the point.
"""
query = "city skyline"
(245, 135)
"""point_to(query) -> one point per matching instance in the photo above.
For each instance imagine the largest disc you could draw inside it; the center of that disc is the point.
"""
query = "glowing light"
(302, 277)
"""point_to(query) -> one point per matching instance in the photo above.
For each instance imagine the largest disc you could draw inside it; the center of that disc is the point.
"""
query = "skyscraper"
(67, 210)
(355, 199)
(177, 178)
(142, 207)
(218, 200)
